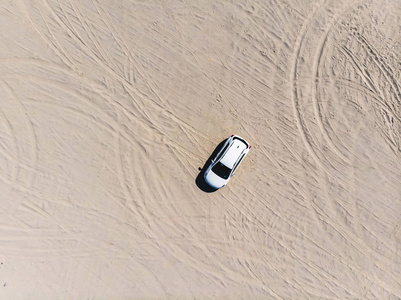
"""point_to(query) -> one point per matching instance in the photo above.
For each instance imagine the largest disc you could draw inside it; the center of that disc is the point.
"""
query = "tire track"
(309, 263)
(355, 241)
(343, 160)
(390, 111)
(23, 158)
(33, 143)
(86, 96)
(88, 28)
(296, 98)
(308, 136)
(162, 105)
(52, 43)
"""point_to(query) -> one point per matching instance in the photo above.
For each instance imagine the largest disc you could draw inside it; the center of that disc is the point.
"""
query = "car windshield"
(221, 170)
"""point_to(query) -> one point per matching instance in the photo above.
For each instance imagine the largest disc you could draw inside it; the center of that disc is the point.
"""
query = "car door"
(220, 154)
(237, 164)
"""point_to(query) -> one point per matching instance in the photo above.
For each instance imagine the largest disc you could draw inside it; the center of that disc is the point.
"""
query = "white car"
(226, 161)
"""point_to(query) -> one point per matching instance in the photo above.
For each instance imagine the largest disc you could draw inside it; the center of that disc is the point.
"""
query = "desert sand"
(108, 110)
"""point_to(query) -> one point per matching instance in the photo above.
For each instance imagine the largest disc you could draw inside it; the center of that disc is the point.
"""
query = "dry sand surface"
(109, 108)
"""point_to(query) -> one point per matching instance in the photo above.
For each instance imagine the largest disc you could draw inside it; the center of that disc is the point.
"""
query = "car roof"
(233, 153)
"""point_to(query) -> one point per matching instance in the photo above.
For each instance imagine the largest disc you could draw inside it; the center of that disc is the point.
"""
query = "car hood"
(214, 180)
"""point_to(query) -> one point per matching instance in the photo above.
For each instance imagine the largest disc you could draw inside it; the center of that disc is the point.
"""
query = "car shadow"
(200, 180)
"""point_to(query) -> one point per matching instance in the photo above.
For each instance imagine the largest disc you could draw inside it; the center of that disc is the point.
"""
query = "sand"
(109, 109)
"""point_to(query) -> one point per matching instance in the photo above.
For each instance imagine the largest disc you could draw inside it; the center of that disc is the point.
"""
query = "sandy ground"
(109, 108)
